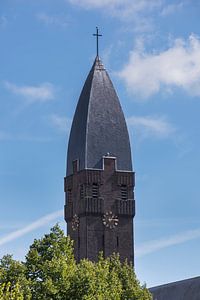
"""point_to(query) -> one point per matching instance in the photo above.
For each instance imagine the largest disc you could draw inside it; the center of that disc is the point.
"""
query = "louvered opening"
(95, 190)
(124, 192)
(81, 191)
(69, 195)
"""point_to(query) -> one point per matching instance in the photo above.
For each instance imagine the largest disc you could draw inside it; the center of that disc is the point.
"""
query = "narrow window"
(81, 191)
(103, 243)
(69, 195)
(95, 190)
(117, 241)
(124, 192)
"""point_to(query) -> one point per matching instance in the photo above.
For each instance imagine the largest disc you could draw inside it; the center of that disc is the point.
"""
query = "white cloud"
(141, 14)
(118, 5)
(31, 227)
(41, 93)
(4, 136)
(60, 122)
(58, 20)
(121, 8)
(10, 226)
(149, 126)
(10, 136)
(156, 245)
(171, 8)
(177, 67)
(3, 21)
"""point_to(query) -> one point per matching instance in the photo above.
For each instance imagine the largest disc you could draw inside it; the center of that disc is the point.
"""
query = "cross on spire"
(97, 36)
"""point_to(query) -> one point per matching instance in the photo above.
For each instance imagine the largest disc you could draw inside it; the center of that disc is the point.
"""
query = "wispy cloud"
(177, 67)
(25, 137)
(56, 20)
(31, 227)
(140, 15)
(148, 126)
(3, 21)
(124, 8)
(156, 245)
(171, 8)
(41, 93)
(7, 136)
(60, 122)
(4, 135)
(134, 11)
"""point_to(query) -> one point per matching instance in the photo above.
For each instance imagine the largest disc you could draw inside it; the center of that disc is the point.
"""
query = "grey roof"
(99, 125)
(188, 289)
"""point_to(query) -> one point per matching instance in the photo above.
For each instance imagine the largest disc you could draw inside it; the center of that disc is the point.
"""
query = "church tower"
(99, 182)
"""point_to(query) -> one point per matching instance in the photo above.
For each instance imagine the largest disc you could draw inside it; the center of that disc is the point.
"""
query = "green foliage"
(8, 292)
(13, 282)
(51, 273)
(96, 281)
(50, 265)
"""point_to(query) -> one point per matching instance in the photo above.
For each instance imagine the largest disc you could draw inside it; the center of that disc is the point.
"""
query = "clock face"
(110, 220)
(75, 222)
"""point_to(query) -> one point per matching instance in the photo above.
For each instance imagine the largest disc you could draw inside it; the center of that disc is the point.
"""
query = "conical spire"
(99, 125)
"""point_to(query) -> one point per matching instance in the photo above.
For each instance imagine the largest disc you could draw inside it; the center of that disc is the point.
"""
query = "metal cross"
(97, 35)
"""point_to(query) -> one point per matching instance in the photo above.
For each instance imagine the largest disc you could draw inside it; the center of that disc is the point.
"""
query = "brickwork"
(90, 194)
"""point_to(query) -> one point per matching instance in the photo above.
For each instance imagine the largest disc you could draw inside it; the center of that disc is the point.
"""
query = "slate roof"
(188, 289)
(99, 125)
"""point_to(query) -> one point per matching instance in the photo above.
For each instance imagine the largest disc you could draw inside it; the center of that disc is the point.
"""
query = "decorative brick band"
(125, 207)
(91, 205)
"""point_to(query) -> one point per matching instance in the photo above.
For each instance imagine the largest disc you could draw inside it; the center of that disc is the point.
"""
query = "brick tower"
(99, 182)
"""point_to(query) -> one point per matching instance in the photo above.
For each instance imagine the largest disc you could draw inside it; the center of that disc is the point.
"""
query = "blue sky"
(151, 50)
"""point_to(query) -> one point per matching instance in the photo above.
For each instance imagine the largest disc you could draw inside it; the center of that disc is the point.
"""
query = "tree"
(11, 293)
(50, 265)
(107, 279)
(13, 282)
(50, 272)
